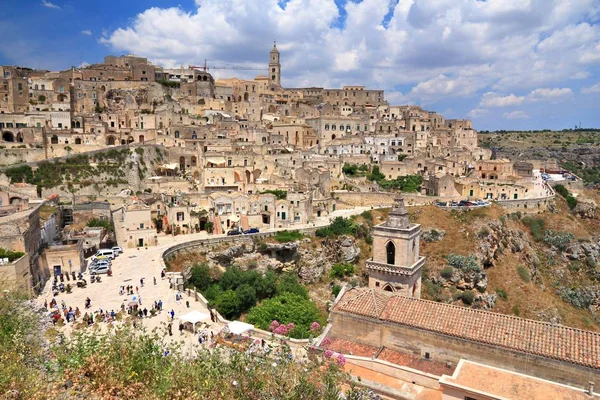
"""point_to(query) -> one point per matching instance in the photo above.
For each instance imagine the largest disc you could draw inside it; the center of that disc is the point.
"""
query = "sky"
(505, 64)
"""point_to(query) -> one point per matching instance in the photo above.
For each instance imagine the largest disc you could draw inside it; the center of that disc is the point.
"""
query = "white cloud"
(435, 48)
(515, 115)
(490, 99)
(477, 113)
(86, 32)
(591, 89)
(550, 94)
(47, 4)
(84, 64)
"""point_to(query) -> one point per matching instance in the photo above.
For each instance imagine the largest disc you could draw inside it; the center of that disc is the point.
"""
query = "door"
(140, 242)
(283, 215)
(57, 270)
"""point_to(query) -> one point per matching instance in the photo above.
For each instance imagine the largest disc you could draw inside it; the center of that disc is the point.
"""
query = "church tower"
(396, 265)
(274, 67)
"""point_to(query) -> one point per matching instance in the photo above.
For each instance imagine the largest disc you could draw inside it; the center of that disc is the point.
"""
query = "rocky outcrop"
(432, 235)
(585, 208)
(226, 258)
(341, 249)
(496, 238)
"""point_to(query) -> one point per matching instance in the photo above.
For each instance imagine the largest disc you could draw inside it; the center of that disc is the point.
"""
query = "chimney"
(591, 388)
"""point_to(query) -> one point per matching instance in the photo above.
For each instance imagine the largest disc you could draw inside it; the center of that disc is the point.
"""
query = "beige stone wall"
(16, 277)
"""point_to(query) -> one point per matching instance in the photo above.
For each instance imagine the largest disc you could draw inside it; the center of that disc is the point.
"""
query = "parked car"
(104, 252)
(99, 264)
(117, 250)
(251, 230)
(234, 232)
(101, 270)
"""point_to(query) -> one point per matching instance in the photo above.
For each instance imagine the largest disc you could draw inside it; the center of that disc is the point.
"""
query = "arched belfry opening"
(390, 250)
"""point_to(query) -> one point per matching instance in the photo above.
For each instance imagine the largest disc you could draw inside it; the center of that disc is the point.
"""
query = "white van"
(105, 252)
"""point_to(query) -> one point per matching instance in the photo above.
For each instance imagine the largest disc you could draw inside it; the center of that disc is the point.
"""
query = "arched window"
(176, 134)
(326, 127)
(333, 127)
(391, 253)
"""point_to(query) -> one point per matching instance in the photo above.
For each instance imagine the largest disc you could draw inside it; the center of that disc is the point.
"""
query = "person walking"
(180, 328)
(172, 315)
(145, 312)
(170, 329)
(140, 300)
(154, 281)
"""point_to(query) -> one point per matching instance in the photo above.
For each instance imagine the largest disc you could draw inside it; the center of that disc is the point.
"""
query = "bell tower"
(396, 264)
(274, 67)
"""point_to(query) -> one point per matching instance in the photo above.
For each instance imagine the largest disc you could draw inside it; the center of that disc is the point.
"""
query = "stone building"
(138, 228)
(396, 265)
(15, 276)
(65, 257)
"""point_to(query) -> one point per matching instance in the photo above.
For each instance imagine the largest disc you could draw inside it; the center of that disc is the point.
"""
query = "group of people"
(128, 289)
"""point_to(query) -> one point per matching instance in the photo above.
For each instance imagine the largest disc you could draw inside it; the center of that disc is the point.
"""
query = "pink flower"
(290, 326)
(315, 326)
(281, 330)
(273, 325)
(326, 342)
(328, 354)
(341, 360)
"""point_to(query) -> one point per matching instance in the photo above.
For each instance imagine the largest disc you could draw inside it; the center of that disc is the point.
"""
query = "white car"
(117, 250)
(103, 269)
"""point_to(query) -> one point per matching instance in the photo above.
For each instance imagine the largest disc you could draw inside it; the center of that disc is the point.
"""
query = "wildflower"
(235, 383)
(341, 360)
(274, 364)
(326, 342)
(315, 326)
(328, 354)
(273, 325)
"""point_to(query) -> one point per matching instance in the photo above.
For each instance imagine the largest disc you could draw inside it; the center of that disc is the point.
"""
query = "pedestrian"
(172, 314)
(145, 312)
(187, 303)
(140, 300)
(180, 328)
(154, 281)
(170, 328)
(137, 290)
(46, 304)
(142, 282)
(160, 305)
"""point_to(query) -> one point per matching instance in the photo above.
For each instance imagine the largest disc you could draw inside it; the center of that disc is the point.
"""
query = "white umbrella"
(194, 317)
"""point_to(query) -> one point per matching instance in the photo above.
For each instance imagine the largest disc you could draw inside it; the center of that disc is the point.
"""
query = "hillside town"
(115, 172)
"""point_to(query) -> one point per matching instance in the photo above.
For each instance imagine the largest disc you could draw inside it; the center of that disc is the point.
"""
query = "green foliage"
(98, 223)
(564, 192)
(11, 255)
(467, 297)
(200, 277)
(483, 233)
(339, 226)
(288, 283)
(41, 98)
(286, 308)
(376, 175)
(409, 183)
(502, 294)
(22, 173)
(588, 174)
(335, 290)
(341, 270)
(536, 227)
(524, 273)
(350, 169)
(464, 263)
(229, 304)
(447, 272)
(516, 310)
(168, 83)
(577, 297)
(279, 194)
(288, 236)
(401, 157)
(368, 217)
(558, 239)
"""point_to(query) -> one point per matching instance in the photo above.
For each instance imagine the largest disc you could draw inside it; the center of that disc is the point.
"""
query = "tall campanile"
(274, 67)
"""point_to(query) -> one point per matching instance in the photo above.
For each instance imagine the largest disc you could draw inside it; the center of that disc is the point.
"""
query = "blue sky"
(506, 64)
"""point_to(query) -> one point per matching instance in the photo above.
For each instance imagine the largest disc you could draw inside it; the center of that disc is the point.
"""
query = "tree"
(228, 305)
(200, 277)
(289, 284)
(246, 295)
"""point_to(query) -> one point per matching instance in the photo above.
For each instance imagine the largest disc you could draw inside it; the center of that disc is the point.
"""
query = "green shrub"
(288, 283)
(341, 270)
(516, 310)
(339, 226)
(447, 272)
(99, 223)
(560, 240)
(286, 308)
(288, 236)
(279, 194)
(464, 263)
(11, 255)
(335, 290)
(200, 277)
(483, 233)
(564, 192)
(229, 305)
(467, 297)
(536, 227)
(524, 273)
(502, 294)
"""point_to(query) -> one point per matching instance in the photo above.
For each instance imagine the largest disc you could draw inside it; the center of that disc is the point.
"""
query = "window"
(176, 134)
(326, 127)
(427, 356)
(180, 216)
(391, 253)
(229, 163)
(141, 226)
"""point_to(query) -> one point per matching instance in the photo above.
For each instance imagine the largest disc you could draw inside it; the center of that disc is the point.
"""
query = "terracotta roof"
(540, 338)
(368, 303)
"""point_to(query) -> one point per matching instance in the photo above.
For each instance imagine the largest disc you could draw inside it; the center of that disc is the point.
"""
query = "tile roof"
(539, 338)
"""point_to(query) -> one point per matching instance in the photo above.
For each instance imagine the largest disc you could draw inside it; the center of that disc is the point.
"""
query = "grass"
(524, 273)
(288, 236)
